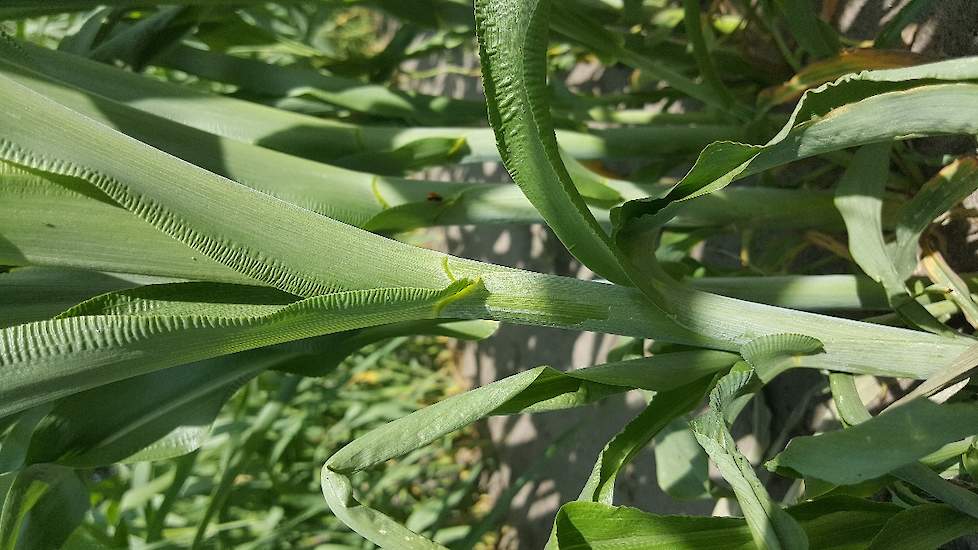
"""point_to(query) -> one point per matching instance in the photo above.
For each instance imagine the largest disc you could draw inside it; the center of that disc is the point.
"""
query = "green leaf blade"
(513, 38)
(878, 446)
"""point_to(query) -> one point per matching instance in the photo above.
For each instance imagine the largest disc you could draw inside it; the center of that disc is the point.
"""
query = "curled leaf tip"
(772, 354)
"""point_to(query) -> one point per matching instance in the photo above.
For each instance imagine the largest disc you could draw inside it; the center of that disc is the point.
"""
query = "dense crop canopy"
(164, 243)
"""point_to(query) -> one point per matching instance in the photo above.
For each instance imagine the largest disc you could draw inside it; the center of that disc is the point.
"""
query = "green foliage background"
(221, 325)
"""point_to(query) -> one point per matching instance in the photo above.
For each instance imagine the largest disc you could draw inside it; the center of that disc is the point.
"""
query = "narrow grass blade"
(947, 188)
(693, 22)
(889, 35)
(859, 198)
(636, 435)
(954, 286)
(835, 523)
(770, 526)
(513, 38)
(533, 390)
(273, 81)
(868, 107)
(817, 38)
(962, 366)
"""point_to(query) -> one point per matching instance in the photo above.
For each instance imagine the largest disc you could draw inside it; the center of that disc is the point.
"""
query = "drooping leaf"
(868, 107)
(859, 198)
(533, 390)
(636, 435)
(853, 412)
(948, 187)
(879, 446)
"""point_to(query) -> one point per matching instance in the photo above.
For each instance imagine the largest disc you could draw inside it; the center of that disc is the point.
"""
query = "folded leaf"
(513, 37)
(773, 354)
